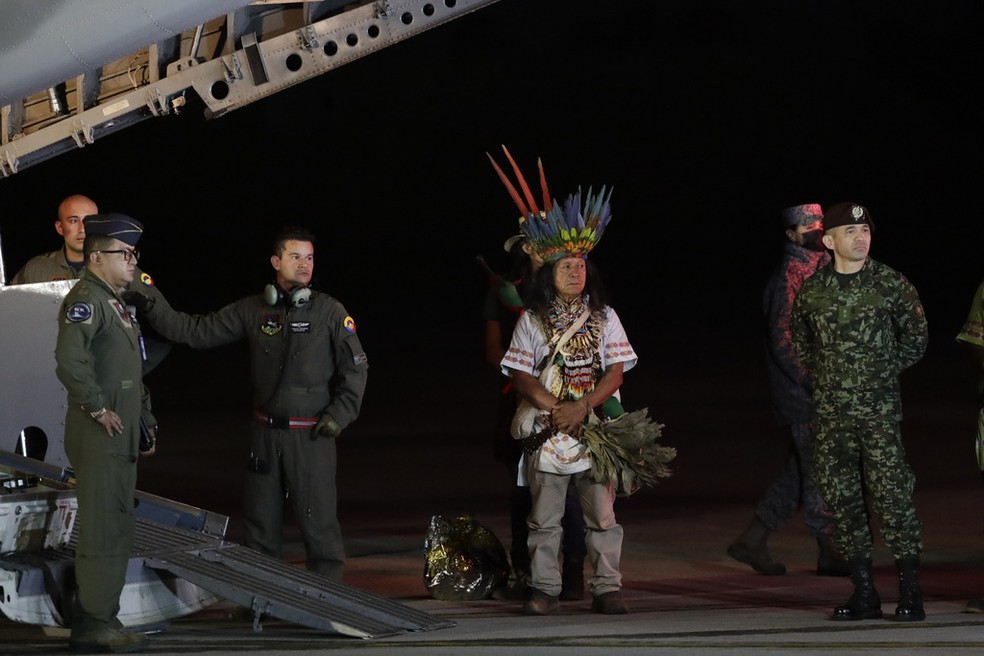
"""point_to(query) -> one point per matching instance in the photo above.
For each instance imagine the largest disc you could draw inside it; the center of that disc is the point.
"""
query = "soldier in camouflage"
(856, 325)
(971, 336)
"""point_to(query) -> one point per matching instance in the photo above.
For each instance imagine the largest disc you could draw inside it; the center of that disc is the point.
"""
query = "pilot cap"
(117, 226)
(801, 215)
(843, 214)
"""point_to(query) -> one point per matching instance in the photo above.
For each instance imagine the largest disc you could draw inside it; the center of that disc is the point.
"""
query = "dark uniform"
(99, 363)
(305, 362)
(855, 335)
(792, 404)
(55, 266)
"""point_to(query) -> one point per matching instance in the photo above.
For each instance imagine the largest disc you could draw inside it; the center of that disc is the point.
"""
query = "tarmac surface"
(685, 595)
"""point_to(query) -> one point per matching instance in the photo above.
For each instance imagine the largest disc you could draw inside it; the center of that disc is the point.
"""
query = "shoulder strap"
(565, 338)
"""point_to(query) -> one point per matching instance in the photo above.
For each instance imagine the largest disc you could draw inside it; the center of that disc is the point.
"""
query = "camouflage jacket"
(856, 337)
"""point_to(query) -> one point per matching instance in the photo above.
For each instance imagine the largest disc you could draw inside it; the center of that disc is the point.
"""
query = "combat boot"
(750, 549)
(864, 604)
(910, 608)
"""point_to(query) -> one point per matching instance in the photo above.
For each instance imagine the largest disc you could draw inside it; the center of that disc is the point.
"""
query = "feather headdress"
(557, 231)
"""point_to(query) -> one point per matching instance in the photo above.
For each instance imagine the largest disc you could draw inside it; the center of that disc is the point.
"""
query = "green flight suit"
(54, 266)
(305, 362)
(99, 363)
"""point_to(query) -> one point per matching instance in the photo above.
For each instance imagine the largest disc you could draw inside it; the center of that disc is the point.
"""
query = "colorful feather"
(543, 186)
(523, 210)
(522, 182)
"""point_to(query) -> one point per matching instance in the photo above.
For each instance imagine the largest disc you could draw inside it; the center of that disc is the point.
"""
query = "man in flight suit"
(99, 362)
(67, 262)
(309, 374)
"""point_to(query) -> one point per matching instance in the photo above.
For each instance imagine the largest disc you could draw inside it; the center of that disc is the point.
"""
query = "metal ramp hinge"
(8, 164)
(231, 70)
(157, 103)
(382, 9)
(309, 38)
(82, 133)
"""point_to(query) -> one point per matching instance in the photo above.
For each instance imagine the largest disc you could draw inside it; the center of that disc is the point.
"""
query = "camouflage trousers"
(859, 458)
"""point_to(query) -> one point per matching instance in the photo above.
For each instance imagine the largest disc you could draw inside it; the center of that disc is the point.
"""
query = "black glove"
(138, 300)
(326, 427)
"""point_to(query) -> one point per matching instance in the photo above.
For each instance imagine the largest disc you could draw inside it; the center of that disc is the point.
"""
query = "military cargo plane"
(75, 71)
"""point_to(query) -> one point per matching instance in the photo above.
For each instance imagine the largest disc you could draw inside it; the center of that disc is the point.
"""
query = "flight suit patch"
(300, 326)
(121, 310)
(360, 358)
(271, 324)
(78, 312)
(146, 280)
(349, 324)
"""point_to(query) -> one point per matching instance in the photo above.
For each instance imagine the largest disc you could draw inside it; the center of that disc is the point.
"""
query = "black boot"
(750, 549)
(829, 562)
(864, 604)
(572, 579)
(910, 608)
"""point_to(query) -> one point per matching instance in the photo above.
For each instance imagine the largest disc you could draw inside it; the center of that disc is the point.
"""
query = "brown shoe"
(609, 603)
(541, 603)
(107, 640)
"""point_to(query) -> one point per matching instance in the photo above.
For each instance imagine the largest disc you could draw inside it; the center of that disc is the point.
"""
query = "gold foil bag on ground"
(464, 561)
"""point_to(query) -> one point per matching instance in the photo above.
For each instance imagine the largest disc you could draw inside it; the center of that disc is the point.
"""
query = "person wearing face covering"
(789, 387)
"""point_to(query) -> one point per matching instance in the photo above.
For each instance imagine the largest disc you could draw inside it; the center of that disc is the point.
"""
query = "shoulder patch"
(349, 324)
(78, 312)
(146, 280)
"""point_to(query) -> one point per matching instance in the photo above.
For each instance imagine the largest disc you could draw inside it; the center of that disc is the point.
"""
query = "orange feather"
(522, 182)
(523, 210)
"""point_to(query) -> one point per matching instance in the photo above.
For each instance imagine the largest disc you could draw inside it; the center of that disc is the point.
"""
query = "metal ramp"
(179, 563)
(269, 586)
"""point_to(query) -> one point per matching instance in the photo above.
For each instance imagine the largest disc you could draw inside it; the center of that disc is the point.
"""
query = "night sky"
(706, 117)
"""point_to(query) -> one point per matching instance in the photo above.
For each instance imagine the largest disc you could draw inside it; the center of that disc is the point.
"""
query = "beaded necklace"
(579, 361)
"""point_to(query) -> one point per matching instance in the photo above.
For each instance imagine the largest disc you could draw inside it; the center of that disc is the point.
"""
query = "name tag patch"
(300, 326)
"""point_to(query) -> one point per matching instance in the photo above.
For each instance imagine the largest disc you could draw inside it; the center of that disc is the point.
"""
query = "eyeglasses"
(129, 254)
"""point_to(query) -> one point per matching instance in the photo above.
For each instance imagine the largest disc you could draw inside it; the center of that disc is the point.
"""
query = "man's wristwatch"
(98, 414)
